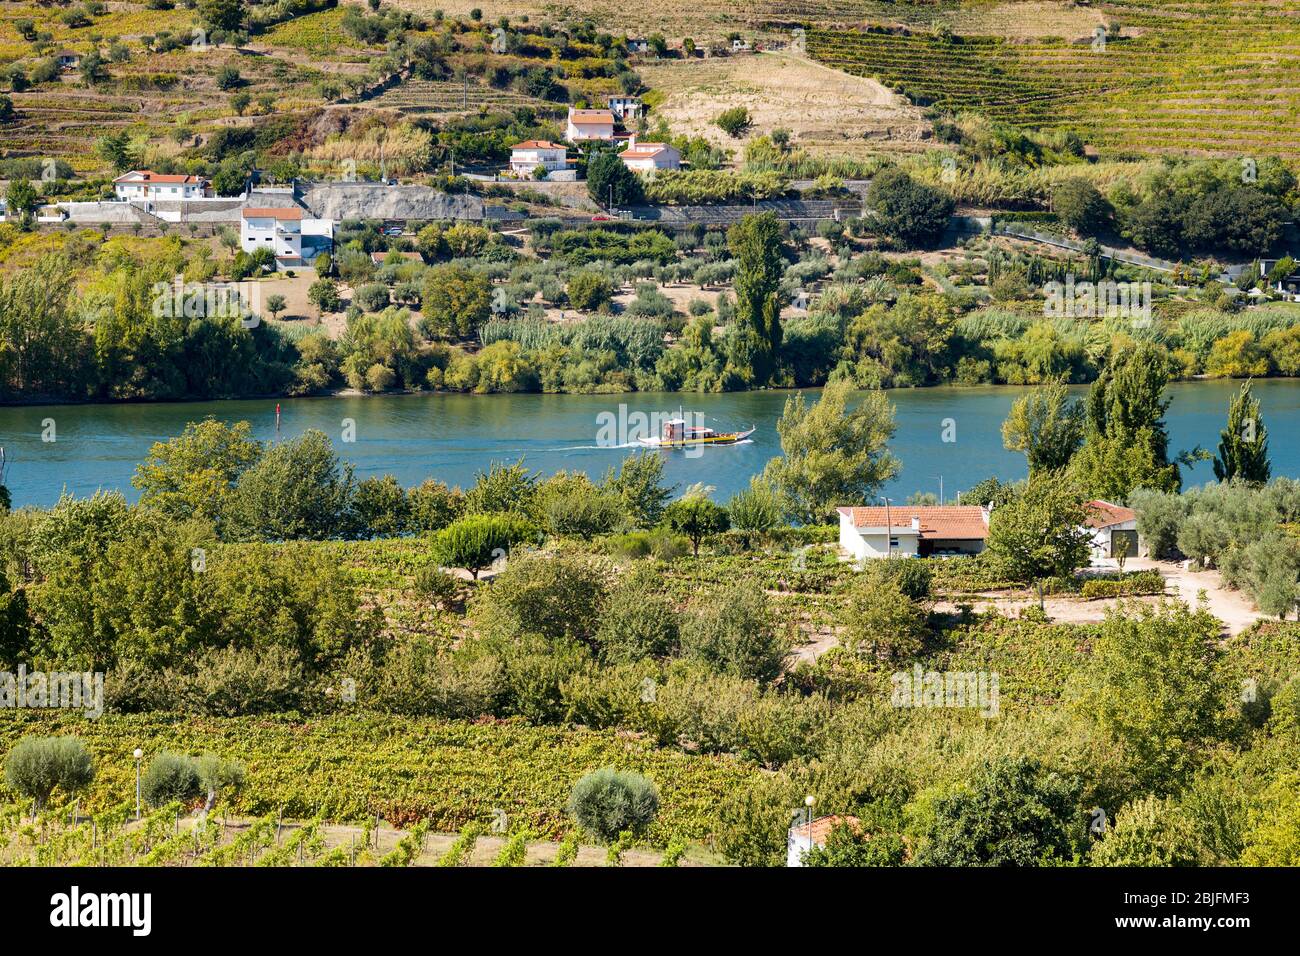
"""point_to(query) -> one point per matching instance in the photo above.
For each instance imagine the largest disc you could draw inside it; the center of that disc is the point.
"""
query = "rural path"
(1231, 607)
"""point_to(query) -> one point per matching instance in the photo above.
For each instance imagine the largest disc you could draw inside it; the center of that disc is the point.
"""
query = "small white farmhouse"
(624, 107)
(147, 185)
(650, 157)
(913, 531)
(804, 836)
(589, 124)
(1113, 527)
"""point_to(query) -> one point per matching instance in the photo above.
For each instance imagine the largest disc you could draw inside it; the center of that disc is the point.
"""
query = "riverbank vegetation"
(259, 601)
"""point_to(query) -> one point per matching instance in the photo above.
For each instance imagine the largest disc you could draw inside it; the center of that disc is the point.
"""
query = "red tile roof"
(271, 212)
(1103, 514)
(943, 522)
(537, 144)
(591, 116)
(822, 827)
(145, 176)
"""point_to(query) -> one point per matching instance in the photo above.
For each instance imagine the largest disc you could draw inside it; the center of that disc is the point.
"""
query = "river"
(452, 437)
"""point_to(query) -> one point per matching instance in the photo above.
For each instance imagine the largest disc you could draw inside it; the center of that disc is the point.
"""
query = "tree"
(733, 633)
(697, 516)
(37, 765)
(1081, 206)
(324, 294)
(6, 109)
(226, 15)
(610, 181)
(194, 474)
(1125, 445)
(1149, 832)
(239, 102)
(455, 301)
(115, 149)
(1042, 532)
(297, 489)
(882, 620)
(92, 68)
(218, 776)
(476, 540)
(275, 304)
(170, 777)
(832, 456)
(638, 621)
(588, 290)
(905, 210)
(1243, 444)
(755, 243)
(21, 198)
(1012, 813)
(228, 78)
(1046, 425)
(607, 802)
(380, 508)
(734, 122)
(1152, 687)
(755, 509)
(639, 484)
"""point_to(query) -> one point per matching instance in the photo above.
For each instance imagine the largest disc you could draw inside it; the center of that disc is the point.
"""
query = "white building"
(143, 184)
(525, 157)
(589, 124)
(294, 240)
(650, 157)
(1114, 529)
(624, 107)
(804, 836)
(913, 531)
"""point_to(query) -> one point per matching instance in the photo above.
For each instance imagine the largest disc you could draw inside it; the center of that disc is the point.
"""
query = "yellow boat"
(678, 434)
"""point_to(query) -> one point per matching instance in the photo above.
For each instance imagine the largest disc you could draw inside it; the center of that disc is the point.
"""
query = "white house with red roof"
(650, 157)
(144, 184)
(1114, 529)
(589, 124)
(525, 157)
(804, 836)
(911, 531)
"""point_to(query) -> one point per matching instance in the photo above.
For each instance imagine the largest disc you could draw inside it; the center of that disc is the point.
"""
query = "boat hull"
(729, 438)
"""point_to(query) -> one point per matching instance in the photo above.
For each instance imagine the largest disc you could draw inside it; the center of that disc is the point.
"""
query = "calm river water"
(452, 437)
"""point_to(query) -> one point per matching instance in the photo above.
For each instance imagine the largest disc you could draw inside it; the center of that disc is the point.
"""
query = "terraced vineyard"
(1195, 76)
(438, 98)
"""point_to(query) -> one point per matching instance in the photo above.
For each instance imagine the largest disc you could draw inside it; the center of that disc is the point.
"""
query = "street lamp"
(808, 802)
(940, 477)
(889, 534)
(139, 755)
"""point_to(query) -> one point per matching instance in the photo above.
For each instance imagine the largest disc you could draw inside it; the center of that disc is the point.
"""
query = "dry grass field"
(827, 112)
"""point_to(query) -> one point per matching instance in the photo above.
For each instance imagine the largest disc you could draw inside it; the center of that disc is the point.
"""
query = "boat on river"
(678, 434)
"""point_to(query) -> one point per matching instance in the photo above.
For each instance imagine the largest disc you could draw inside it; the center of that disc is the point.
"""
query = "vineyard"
(438, 99)
(1195, 77)
(448, 773)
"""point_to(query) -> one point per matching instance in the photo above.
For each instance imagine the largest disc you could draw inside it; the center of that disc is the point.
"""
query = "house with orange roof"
(589, 124)
(912, 531)
(650, 157)
(1114, 530)
(527, 156)
(804, 836)
(144, 184)
(293, 238)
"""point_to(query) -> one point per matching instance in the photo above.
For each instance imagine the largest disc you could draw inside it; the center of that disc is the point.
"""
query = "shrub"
(883, 621)
(557, 598)
(1139, 582)
(475, 541)
(170, 777)
(733, 633)
(607, 802)
(233, 681)
(37, 765)
(637, 623)
(734, 122)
